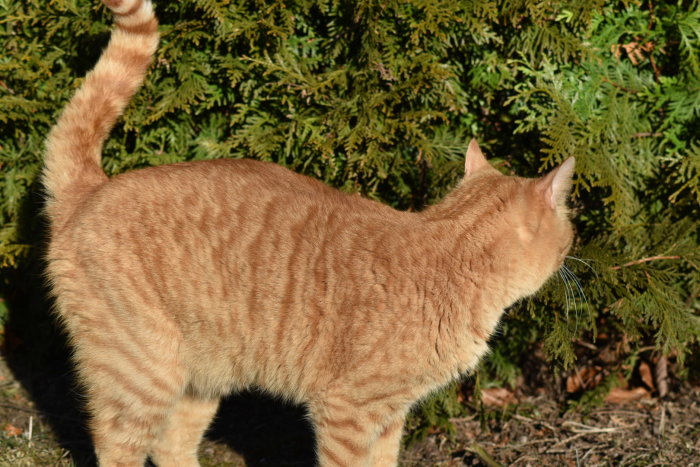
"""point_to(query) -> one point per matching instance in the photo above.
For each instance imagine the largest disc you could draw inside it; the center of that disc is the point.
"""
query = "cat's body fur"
(182, 283)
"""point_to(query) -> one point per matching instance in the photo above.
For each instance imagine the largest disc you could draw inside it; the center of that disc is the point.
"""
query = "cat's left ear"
(556, 185)
(474, 160)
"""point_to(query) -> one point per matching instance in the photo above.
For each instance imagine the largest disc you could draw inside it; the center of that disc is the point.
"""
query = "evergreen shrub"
(381, 97)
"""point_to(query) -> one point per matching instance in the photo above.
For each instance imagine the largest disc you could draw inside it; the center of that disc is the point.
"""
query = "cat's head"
(535, 232)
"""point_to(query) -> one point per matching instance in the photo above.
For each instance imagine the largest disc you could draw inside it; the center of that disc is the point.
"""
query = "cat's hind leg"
(177, 443)
(128, 408)
(129, 365)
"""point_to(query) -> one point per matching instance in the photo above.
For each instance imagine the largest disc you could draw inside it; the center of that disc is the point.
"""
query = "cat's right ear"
(474, 160)
(556, 185)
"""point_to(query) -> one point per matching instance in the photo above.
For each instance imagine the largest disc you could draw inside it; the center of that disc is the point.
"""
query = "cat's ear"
(474, 160)
(555, 186)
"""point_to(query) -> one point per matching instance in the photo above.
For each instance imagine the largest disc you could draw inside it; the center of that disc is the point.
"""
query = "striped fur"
(182, 283)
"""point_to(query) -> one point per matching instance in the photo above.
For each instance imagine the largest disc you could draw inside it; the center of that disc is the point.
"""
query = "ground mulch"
(644, 433)
(41, 424)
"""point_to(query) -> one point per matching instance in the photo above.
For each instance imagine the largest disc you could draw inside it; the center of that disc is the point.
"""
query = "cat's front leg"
(353, 434)
(385, 450)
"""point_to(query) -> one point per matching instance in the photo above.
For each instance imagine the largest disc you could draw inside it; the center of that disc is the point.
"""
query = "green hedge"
(380, 97)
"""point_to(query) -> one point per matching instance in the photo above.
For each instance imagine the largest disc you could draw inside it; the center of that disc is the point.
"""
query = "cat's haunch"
(182, 283)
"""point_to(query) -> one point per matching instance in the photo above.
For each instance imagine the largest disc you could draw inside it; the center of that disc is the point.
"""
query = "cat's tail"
(74, 145)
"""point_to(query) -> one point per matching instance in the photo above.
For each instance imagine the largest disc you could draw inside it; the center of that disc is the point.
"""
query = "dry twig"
(661, 375)
(484, 456)
(644, 260)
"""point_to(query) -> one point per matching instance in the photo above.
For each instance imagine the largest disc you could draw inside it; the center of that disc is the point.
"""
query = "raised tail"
(74, 145)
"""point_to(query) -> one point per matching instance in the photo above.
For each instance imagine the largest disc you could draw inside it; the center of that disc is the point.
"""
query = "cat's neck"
(463, 272)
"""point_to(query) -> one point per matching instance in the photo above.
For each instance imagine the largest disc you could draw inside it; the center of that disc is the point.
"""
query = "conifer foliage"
(380, 97)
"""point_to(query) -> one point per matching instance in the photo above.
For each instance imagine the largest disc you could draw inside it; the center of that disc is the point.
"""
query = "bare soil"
(41, 424)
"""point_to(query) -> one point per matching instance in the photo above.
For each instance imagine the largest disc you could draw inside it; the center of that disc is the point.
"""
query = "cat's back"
(206, 212)
(196, 182)
(194, 192)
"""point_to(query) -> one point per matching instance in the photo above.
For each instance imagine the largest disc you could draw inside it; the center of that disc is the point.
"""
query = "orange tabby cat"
(182, 283)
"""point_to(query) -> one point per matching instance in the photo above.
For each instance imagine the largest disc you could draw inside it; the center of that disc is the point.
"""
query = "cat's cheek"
(535, 271)
(525, 235)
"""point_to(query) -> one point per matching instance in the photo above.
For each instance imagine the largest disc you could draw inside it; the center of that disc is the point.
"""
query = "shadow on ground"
(265, 431)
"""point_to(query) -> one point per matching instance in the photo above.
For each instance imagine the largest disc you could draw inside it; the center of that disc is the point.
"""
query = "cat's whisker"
(572, 296)
(572, 276)
(579, 288)
(575, 294)
(577, 282)
(566, 293)
(585, 263)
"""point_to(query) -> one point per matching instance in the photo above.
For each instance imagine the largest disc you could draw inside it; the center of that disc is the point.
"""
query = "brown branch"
(645, 260)
(619, 86)
(4, 85)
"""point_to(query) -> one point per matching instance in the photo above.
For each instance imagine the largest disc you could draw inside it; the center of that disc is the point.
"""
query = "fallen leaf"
(622, 396)
(645, 374)
(586, 378)
(11, 430)
(608, 355)
(635, 51)
(497, 397)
